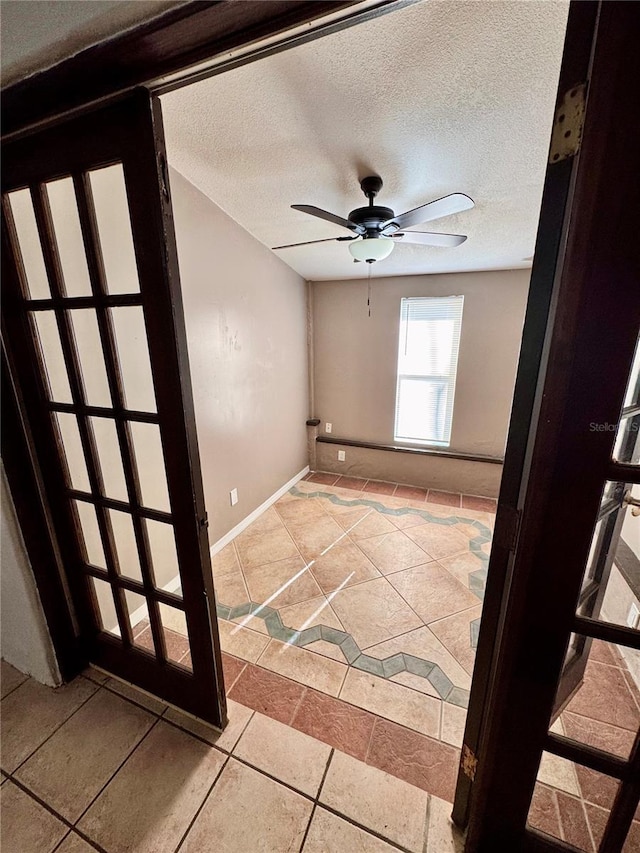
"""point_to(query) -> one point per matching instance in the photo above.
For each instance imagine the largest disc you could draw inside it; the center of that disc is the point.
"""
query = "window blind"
(428, 347)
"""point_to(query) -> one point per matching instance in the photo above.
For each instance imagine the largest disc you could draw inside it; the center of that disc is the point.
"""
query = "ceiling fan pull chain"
(369, 289)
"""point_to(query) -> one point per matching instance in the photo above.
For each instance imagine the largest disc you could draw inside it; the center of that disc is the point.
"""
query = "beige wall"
(355, 370)
(246, 326)
(26, 642)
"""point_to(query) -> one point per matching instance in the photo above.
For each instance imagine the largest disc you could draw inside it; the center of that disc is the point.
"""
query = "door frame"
(201, 34)
(202, 31)
(546, 515)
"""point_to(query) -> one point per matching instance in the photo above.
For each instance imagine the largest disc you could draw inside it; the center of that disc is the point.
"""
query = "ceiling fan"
(375, 229)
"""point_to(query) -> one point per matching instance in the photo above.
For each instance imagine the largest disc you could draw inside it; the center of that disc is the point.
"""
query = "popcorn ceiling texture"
(436, 98)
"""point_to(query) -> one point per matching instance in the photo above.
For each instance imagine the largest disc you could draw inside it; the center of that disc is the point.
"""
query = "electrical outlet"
(233, 495)
(341, 456)
(633, 616)
(328, 427)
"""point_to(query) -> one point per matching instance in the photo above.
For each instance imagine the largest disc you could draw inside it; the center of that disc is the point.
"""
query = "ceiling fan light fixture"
(371, 248)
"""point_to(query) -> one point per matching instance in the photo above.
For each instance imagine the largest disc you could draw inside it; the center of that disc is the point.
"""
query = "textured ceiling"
(436, 98)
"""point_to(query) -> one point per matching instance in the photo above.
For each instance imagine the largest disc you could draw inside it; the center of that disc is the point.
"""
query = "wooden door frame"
(176, 41)
(557, 497)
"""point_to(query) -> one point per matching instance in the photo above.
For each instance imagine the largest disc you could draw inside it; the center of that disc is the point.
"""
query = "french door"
(571, 481)
(95, 343)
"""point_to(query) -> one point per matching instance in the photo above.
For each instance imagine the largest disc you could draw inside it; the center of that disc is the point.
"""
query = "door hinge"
(468, 762)
(566, 135)
(204, 521)
(508, 530)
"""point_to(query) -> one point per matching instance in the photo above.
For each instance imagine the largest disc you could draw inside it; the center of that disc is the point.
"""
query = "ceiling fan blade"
(429, 239)
(454, 203)
(330, 217)
(311, 242)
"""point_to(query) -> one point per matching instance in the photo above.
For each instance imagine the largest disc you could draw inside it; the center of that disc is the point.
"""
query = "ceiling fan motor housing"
(371, 217)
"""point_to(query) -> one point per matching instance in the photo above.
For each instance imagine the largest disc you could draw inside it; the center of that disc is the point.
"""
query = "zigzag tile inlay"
(353, 655)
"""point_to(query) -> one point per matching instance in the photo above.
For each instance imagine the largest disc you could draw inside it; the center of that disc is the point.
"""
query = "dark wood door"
(571, 466)
(95, 342)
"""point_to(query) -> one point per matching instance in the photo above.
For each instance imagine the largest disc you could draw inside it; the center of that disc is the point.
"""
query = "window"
(427, 363)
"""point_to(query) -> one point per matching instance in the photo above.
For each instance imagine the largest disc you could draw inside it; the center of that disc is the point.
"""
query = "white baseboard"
(174, 583)
(228, 537)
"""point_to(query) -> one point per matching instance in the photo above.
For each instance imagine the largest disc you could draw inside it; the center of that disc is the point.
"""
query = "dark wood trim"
(607, 632)
(182, 37)
(581, 753)
(418, 451)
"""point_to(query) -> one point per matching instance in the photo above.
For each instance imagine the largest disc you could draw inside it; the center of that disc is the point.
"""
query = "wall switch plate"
(233, 495)
(341, 456)
(633, 616)
(328, 427)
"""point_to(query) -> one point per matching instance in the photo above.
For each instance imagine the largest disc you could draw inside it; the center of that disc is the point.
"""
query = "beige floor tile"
(461, 566)
(74, 844)
(409, 519)
(265, 548)
(23, 732)
(415, 682)
(231, 590)
(315, 536)
(225, 561)
(331, 834)
(424, 644)
(247, 811)
(151, 703)
(376, 800)
(361, 525)
(329, 650)
(442, 835)
(283, 752)
(245, 643)
(299, 510)
(238, 715)
(10, 678)
(558, 773)
(342, 566)
(393, 701)
(274, 582)
(373, 612)
(269, 520)
(304, 666)
(432, 591)
(25, 826)
(392, 552)
(69, 770)
(454, 632)
(438, 540)
(316, 611)
(453, 723)
(152, 799)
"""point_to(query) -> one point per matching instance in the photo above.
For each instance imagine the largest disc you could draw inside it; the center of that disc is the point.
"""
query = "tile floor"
(352, 614)
(572, 802)
(95, 765)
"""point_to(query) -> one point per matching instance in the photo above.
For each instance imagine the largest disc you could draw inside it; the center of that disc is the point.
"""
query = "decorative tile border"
(353, 655)
(382, 667)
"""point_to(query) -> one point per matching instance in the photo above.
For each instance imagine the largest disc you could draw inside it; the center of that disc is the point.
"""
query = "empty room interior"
(352, 401)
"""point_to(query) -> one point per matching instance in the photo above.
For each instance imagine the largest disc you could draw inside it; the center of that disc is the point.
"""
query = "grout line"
(66, 719)
(202, 804)
(427, 821)
(61, 842)
(57, 815)
(13, 689)
(117, 770)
